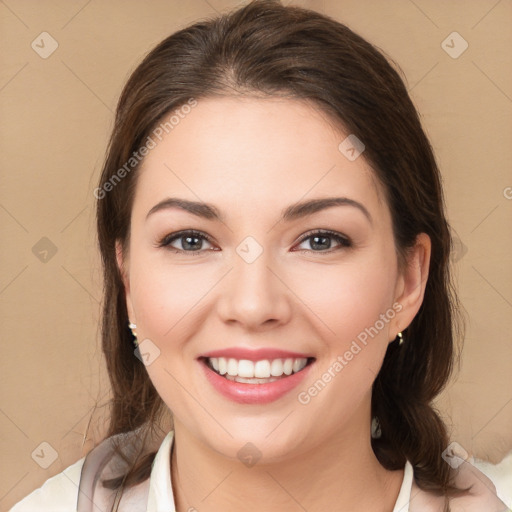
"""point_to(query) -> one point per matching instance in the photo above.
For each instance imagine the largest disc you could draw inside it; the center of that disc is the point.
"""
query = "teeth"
(276, 368)
(263, 369)
(232, 367)
(251, 381)
(296, 365)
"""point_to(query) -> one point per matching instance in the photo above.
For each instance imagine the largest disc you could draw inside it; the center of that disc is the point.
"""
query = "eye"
(321, 239)
(190, 241)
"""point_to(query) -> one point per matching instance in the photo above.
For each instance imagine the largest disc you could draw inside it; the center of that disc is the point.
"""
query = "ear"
(122, 264)
(410, 288)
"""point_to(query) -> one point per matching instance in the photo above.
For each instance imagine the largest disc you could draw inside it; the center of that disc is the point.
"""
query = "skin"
(251, 158)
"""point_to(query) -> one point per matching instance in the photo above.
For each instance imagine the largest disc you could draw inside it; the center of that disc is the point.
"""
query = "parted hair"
(267, 49)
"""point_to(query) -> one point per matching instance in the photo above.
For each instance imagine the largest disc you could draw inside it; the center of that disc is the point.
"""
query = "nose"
(254, 295)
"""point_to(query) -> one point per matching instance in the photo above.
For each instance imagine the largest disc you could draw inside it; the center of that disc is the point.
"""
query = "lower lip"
(254, 393)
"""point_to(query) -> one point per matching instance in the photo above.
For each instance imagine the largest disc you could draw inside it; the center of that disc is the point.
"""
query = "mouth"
(252, 379)
(261, 371)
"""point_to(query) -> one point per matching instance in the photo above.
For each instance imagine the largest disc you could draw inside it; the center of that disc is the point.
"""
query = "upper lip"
(240, 353)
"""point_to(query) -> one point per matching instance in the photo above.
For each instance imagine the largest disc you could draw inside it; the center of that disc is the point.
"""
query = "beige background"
(57, 113)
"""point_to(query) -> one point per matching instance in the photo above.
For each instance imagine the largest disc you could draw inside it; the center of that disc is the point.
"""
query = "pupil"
(324, 245)
(189, 245)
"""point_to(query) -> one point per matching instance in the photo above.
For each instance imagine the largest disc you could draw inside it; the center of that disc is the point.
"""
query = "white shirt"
(60, 493)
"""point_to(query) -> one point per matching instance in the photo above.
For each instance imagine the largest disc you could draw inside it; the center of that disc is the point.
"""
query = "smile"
(256, 372)
(252, 379)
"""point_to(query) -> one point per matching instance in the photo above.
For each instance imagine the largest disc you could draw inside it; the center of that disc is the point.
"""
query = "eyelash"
(168, 239)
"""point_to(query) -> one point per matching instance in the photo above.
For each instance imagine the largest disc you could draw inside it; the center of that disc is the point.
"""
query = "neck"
(341, 474)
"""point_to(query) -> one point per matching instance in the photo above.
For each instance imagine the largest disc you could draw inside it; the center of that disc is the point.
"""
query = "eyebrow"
(292, 212)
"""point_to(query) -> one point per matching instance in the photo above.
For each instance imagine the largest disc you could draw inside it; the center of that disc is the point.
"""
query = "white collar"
(404, 496)
(161, 499)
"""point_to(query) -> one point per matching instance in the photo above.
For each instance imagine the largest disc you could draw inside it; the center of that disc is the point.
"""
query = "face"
(259, 280)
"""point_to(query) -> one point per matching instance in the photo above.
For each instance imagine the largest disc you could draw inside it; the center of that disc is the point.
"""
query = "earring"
(132, 327)
(400, 338)
(376, 431)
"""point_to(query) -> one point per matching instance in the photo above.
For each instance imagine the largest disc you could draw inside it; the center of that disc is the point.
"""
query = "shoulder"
(481, 496)
(71, 489)
(58, 494)
(501, 475)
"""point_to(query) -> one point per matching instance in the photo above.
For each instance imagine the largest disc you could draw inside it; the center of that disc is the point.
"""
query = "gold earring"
(132, 327)
(400, 338)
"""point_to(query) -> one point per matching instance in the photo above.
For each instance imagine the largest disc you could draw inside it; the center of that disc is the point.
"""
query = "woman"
(274, 243)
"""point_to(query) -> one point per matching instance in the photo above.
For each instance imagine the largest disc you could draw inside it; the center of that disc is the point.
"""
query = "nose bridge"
(253, 294)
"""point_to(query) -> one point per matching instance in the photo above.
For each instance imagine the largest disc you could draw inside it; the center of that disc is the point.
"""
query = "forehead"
(251, 151)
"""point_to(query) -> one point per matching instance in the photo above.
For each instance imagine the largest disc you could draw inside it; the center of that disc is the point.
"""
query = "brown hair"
(268, 49)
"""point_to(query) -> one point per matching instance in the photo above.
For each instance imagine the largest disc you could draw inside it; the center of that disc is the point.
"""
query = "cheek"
(167, 300)
(165, 296)
(341, 299)
(356, 302)
(350, 297)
